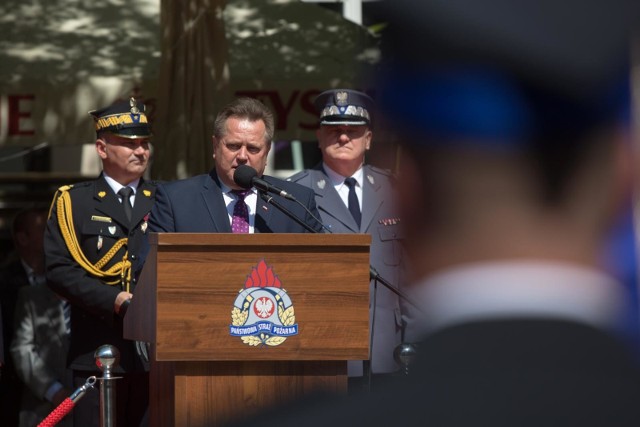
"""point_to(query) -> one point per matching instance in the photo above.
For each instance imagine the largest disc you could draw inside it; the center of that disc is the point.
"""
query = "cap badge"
(371, 180)
(341, 98)
(134, 107)
(321, 183)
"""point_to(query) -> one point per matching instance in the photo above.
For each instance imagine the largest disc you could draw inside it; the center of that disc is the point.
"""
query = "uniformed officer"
(356, 198)
(92, 240)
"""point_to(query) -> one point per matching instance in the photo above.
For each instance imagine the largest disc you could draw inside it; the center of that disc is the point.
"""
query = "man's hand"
(120, 300)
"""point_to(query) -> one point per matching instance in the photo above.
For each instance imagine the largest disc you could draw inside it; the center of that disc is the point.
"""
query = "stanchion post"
(107, 358)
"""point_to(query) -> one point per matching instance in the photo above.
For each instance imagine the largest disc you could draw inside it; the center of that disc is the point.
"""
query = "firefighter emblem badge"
(263, 313)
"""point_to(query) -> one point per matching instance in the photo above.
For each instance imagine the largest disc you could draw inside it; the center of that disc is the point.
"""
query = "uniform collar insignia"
(321, 183)
(146, 193)
(102, 194)
(370, 179)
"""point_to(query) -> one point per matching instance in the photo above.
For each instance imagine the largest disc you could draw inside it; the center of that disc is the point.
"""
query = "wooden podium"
(202, 296)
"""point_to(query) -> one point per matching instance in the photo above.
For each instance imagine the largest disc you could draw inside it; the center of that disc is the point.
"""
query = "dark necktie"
(125, 193)
(354, 205)
(240, 220)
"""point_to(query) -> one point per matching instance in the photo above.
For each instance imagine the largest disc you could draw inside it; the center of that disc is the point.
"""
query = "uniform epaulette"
(298, 176)
(57, 194)
(382, 171)
(74, 186)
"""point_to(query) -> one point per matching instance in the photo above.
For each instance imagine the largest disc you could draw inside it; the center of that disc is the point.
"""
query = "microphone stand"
(374, 275)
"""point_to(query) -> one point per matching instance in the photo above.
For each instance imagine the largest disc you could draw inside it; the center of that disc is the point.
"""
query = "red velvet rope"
(58, 414)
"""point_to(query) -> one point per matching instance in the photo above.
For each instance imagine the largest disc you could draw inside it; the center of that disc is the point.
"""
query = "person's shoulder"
(75, 187)
(76, 191)
(379, 171)
(182, 184)
(292, 187)
(303, 175)
(153, 183)
(306, 176)
(380, 174)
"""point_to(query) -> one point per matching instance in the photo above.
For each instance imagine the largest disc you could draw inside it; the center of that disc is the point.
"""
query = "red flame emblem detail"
(262, 276)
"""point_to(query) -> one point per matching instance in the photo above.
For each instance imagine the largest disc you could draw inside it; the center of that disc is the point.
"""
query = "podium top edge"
(274, 239)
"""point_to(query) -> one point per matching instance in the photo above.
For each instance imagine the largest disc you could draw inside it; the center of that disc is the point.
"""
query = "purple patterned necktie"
(240, 221)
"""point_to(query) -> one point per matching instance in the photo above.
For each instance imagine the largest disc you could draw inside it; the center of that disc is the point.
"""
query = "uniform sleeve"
(161, 219)
(29, 365)
(68, 279)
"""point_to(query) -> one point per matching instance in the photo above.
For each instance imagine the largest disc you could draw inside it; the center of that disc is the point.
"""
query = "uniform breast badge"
(371, 180)
(99, 245)
(145, 223)
(263, 313)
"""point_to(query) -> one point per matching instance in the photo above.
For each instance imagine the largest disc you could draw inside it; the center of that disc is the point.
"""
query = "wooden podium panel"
(201, 374)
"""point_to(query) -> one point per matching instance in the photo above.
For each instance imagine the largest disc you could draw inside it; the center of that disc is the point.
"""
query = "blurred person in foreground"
(41, 335)
(354, 197)
(23, 270)
(92, 244)
(214, 202)
(514, 118)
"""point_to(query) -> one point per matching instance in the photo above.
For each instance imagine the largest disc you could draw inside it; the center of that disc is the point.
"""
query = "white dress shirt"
(116, 186)
(343, 190)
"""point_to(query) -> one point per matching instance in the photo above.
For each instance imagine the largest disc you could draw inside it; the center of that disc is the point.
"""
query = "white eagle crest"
(264, 307)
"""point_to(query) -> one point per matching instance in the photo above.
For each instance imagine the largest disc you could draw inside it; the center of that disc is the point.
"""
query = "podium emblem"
(263, 313)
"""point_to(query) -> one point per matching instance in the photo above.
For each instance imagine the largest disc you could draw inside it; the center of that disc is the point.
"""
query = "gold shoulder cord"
(118, 273)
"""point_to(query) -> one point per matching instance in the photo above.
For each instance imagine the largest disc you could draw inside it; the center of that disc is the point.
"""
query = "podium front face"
(255, 319)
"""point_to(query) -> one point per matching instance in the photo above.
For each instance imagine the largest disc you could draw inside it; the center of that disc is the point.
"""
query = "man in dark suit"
(92, 242)
(354, 197)
(517, 162)
(23, 270)
(214, 203)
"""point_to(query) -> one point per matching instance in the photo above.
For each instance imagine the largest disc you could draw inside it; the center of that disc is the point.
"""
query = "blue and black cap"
(344, 107)
(126, 119)
(505, 71)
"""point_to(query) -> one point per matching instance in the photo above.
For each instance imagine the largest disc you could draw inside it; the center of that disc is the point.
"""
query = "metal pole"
(107, 358)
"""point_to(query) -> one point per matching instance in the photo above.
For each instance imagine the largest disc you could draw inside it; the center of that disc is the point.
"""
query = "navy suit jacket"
(196, 205)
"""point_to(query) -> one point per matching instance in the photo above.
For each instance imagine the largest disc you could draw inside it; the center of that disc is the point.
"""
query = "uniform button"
(133, 256)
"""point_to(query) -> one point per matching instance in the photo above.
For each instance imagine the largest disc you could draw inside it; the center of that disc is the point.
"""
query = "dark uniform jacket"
(99, 222)
(380, 219)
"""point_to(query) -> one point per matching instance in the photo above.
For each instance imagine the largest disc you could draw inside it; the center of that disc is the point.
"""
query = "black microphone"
(247, 177)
